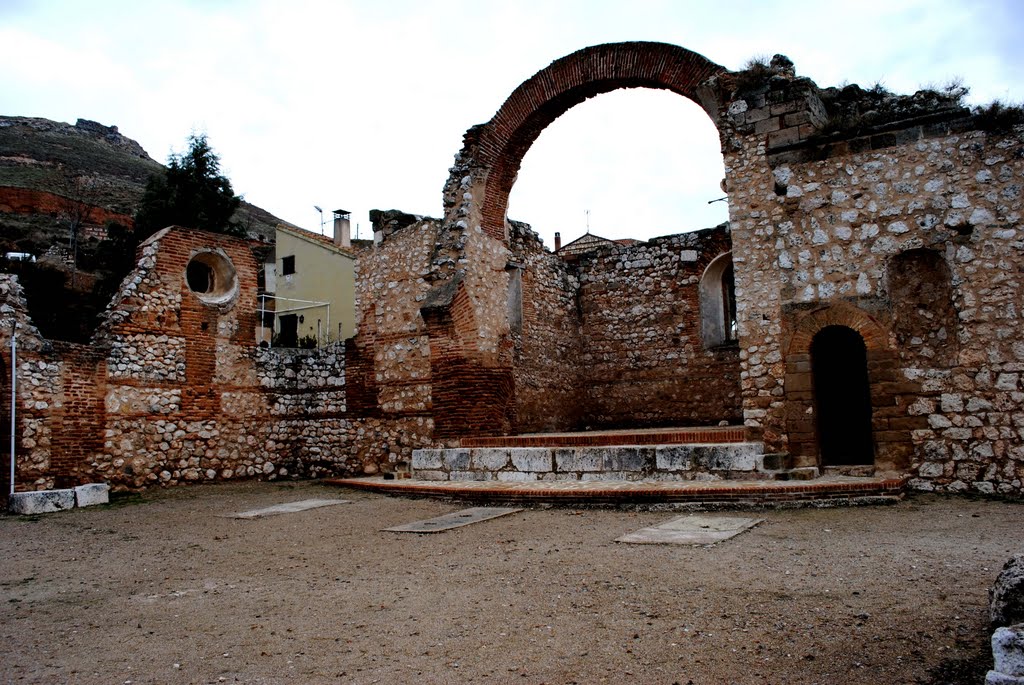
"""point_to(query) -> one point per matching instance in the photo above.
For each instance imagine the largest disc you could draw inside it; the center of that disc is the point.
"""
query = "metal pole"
(14, 385)
(263, 316)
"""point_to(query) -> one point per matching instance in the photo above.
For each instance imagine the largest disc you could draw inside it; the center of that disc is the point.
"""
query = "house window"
(288, 265)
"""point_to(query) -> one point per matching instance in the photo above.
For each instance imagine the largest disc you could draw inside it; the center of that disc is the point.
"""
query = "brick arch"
(841, 314)
(564, 84)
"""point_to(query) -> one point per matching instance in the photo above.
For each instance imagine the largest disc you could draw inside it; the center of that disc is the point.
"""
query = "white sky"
(362, 104)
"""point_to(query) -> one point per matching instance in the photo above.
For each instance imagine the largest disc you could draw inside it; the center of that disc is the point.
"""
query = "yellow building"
(311, 287)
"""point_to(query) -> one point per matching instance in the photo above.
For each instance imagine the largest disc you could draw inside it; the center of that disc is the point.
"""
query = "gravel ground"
(161, 588)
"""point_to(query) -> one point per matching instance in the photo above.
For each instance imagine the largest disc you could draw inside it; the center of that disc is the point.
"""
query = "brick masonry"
(172, 389)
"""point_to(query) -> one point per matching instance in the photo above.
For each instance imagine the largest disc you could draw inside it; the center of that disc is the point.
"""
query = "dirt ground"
(161, 588)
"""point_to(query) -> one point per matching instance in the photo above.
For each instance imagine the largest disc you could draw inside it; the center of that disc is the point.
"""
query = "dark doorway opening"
(842, 397)
(288, 333)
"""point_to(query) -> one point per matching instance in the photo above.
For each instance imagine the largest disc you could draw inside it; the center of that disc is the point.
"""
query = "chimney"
(558, 241)
(342, 228)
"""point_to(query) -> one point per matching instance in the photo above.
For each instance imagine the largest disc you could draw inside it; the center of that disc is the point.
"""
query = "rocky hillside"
(40, 161)
(43, 163)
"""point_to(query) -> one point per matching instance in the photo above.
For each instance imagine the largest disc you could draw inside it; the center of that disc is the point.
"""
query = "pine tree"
(191, 192)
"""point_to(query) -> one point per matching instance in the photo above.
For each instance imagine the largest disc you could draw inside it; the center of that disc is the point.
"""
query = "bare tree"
(77, 196)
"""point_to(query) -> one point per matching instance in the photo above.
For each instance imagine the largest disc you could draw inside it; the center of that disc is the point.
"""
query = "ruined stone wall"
(643, 361)
(958, 196)
(390, 287)
(543, 310)
(173, 388)
(614, 339)
(912, 238)
(38, 387)
(390, 387)
(182, 397)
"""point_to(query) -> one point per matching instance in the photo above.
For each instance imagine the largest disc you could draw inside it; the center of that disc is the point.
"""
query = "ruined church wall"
(391, 284)
(39, 384)
(643, 360)
(389, 383)
(174, 390)
(813, 233)
(182, 397)
(546, 341)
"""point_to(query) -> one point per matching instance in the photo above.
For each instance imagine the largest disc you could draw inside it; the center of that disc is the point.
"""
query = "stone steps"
(634, 462)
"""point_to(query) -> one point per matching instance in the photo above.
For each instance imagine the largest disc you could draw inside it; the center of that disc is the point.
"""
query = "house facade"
(314, 287)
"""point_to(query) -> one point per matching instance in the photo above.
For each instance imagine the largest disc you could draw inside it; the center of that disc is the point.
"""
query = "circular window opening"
(211, 276)
(199, 277)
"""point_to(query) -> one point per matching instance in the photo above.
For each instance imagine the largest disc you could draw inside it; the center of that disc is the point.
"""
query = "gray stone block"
(516, 476)
(426, 459)
(470, 475)
(636, 459)
(455, 459)
(996, 678)
(92, 494)
(674, 458)
(489, 458)
(536, 459)
(579, 459)
(611, 475)
(42, 502)
(430, 474)
(1008, 650)
(735, 457)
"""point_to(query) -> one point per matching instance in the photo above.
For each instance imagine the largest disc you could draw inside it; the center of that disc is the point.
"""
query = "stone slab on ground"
(41, 501)
(288, 508)
(91, 494)
(691, 530)
(456, 519)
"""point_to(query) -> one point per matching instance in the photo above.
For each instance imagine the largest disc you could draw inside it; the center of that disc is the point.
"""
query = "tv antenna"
(317, 208)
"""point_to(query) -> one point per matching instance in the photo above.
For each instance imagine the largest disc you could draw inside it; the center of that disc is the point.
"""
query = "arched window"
(718, 302)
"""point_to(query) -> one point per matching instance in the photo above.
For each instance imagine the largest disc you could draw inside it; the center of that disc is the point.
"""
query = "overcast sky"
(363, 104)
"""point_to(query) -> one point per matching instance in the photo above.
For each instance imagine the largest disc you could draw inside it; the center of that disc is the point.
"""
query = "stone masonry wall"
(173, 389)
(957, 196)
(643, 359)
(547, 343)
(614, 339)
(835, 234)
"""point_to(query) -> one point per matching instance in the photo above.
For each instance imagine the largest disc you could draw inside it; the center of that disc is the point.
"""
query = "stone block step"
(709, 461)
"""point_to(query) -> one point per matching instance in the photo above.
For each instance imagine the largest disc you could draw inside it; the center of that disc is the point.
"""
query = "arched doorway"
(842, 397)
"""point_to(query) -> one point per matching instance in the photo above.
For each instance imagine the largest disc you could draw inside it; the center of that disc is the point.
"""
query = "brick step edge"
(679, 437)
(786, 493)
